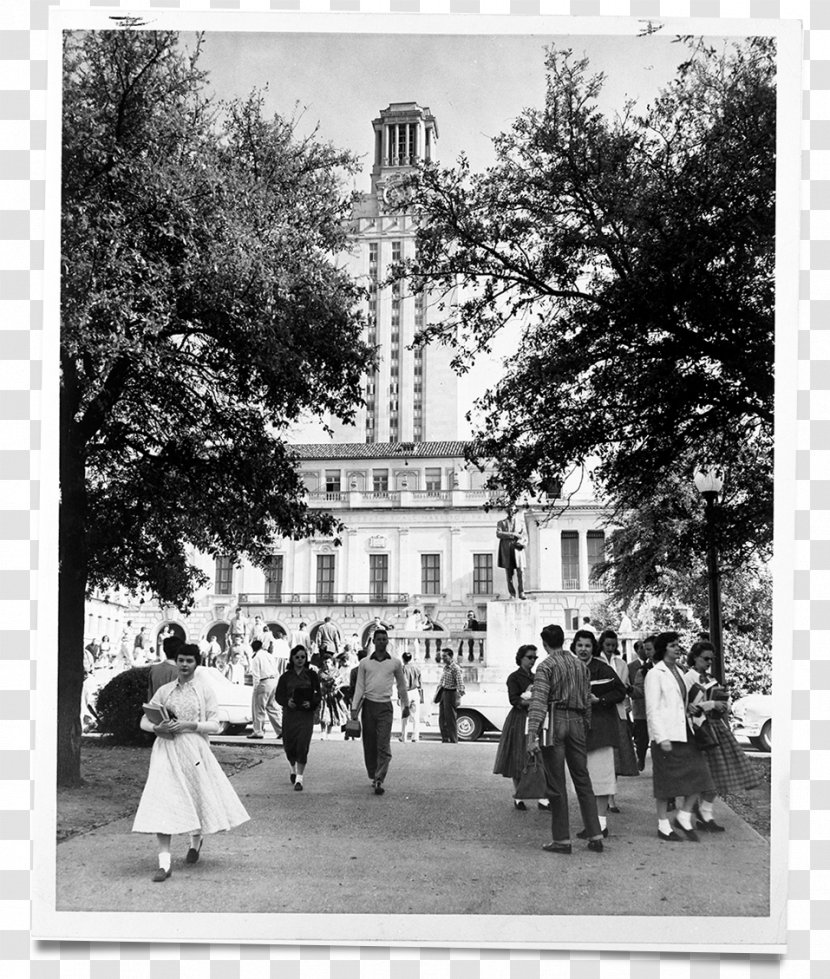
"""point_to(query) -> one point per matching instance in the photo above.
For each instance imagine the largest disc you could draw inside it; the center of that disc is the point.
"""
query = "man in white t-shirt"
(263, 703)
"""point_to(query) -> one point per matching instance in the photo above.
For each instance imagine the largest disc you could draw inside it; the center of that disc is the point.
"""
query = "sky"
(475, 86)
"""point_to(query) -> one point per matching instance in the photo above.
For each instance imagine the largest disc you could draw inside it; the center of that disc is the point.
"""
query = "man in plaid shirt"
(562, 693)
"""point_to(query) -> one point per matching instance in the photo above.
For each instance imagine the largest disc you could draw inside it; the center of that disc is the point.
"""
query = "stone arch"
(176, 628)
(278, 630)
(218, 631)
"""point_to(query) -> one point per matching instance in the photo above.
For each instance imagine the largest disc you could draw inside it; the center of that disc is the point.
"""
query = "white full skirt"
(186, 790)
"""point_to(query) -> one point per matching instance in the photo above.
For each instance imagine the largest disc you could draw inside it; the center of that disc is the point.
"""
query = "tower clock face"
(393, 193)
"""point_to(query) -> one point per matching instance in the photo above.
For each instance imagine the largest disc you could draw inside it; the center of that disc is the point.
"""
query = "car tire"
(765, 737)
(469, 725)
(224, 727)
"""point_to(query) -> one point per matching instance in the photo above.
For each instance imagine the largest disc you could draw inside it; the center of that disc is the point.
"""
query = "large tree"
(633, 253)
(202, 311)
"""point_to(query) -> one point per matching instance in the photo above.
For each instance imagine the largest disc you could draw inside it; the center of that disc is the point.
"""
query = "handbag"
(437, 698)
(352, 728)
(705, 736)
(532, 784)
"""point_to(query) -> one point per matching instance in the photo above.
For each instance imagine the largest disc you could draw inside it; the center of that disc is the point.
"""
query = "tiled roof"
(380, 450)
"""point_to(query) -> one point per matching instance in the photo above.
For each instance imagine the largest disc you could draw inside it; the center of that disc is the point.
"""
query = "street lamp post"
(709, 485)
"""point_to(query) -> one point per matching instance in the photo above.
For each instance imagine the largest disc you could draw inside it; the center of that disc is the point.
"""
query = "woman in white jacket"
(680, 770)
(186, 790)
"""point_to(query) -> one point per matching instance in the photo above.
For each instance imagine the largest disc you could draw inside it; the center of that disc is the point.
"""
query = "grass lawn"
(114, 777)
(753, 805)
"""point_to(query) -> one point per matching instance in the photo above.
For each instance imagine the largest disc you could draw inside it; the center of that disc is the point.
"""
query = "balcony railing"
(345, 499)
(570, 584)
(322, 598)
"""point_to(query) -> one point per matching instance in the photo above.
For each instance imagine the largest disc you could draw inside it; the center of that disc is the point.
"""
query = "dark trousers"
(448, 716)
(640, 740)
(568, 745)
(376, 720)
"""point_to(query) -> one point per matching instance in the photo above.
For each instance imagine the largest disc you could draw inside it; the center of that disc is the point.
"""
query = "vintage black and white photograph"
(416, 416)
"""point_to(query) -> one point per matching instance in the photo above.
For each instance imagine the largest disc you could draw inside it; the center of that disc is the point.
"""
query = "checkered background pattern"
(23, 71)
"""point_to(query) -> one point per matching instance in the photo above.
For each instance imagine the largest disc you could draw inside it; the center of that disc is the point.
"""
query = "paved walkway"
(444, 839)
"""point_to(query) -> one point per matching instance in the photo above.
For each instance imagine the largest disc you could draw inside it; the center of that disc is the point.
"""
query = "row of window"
(430, 567)
(380, 480)
(378, 576)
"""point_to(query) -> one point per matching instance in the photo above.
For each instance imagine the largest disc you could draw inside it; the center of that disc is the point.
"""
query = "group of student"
(679, 713)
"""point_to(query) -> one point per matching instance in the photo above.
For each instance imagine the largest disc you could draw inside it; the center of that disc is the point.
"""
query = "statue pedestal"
(509, 625)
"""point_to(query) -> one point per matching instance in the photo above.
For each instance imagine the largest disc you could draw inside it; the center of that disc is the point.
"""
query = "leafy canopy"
(203, 310)
(634, 254)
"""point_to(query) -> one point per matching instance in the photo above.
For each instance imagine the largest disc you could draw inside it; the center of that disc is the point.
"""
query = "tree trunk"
(72, 577)
(71, 597)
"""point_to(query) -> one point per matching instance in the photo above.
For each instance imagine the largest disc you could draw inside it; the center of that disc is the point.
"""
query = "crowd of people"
(584, 708)
(581, 708)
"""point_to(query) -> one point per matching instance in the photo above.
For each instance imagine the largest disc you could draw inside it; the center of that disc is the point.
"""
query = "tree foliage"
(202, 309)
(635, 255)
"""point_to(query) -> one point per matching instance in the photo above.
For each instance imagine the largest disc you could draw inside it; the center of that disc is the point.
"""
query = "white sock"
(164, 860)
(707, 813)
(300, 779)
(684, 818)
(664, 826)
(603, 822)
(195, 840)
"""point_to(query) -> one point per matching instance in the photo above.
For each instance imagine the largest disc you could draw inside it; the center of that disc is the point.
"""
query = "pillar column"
(583, 560)
(455, 571)
(403, 573)
(352, 561)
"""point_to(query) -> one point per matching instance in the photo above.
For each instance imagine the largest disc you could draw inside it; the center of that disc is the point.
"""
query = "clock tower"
(413, 394)
(405, 136)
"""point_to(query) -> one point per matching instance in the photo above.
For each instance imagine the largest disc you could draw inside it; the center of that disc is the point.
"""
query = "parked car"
(752, 718)
(483, 710)
(233, 699)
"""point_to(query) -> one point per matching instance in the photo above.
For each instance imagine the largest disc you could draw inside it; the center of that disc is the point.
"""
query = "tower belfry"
(405, 135)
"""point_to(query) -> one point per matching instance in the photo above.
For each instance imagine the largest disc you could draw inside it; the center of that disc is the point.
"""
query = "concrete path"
(444, 839)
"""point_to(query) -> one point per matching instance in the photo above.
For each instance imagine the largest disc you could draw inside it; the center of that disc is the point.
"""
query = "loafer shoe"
(614, 809)
(378, 785)
(710, 826)
(298, 786)
(192, 854)
(544, 806)
(595, 845)
(255, 737)
(554, 847)
(583, 834)
(670, 837)
(519, 806)
(688, 834)
(293, 777)
(161, 874)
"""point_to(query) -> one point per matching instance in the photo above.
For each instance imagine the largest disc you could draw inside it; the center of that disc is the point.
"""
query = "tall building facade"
(413, 395)
(417, 531)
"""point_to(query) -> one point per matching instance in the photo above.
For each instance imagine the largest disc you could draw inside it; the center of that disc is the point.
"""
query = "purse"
(532, 784)
(352, 728)
(705, 736)
(437, 698)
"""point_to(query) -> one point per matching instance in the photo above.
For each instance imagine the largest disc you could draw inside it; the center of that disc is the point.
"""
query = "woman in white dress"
(186, 790)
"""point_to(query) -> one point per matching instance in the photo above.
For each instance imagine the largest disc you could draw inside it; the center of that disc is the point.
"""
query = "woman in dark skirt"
(728, 765)
(298, 693)
(679, 768)
(511, 754)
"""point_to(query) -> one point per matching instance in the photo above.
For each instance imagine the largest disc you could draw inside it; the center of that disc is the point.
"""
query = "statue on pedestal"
(512, 551)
